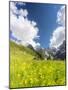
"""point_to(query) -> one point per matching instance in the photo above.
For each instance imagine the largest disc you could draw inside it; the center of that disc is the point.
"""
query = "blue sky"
(45, 15)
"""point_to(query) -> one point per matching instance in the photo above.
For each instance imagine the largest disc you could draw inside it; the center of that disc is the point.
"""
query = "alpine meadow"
(37, 45)
(27, 72)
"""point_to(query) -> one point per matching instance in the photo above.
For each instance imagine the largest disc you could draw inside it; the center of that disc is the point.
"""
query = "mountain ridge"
(44, 53)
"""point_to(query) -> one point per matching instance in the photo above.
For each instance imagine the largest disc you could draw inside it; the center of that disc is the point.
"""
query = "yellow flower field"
(26, 72)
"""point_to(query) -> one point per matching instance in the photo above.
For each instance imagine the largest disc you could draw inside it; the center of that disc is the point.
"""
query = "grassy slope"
(26, 72)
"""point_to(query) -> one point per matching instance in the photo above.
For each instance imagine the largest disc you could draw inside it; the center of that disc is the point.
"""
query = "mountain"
(30, 46)
(23, 49)
(29, 51)
(48, 53)
(43, 53)
(61, 53)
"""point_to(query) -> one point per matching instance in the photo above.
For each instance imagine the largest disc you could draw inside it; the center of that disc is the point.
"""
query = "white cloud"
(21, 27)
(21, 3)
(58, 35)
(13, 8)
(22, 12)
(34, 23)
(61, 16)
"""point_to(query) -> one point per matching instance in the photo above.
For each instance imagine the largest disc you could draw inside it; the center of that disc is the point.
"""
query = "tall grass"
(27, 72)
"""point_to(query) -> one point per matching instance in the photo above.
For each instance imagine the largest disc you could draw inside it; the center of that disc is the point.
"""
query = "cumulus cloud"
(61, 16)
(58, 35)
(21, 3)
(22, 28)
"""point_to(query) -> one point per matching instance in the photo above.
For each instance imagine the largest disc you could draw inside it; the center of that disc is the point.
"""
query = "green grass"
(27, 72)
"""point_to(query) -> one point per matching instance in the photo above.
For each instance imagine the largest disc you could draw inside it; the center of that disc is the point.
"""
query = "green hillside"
(25, 71)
